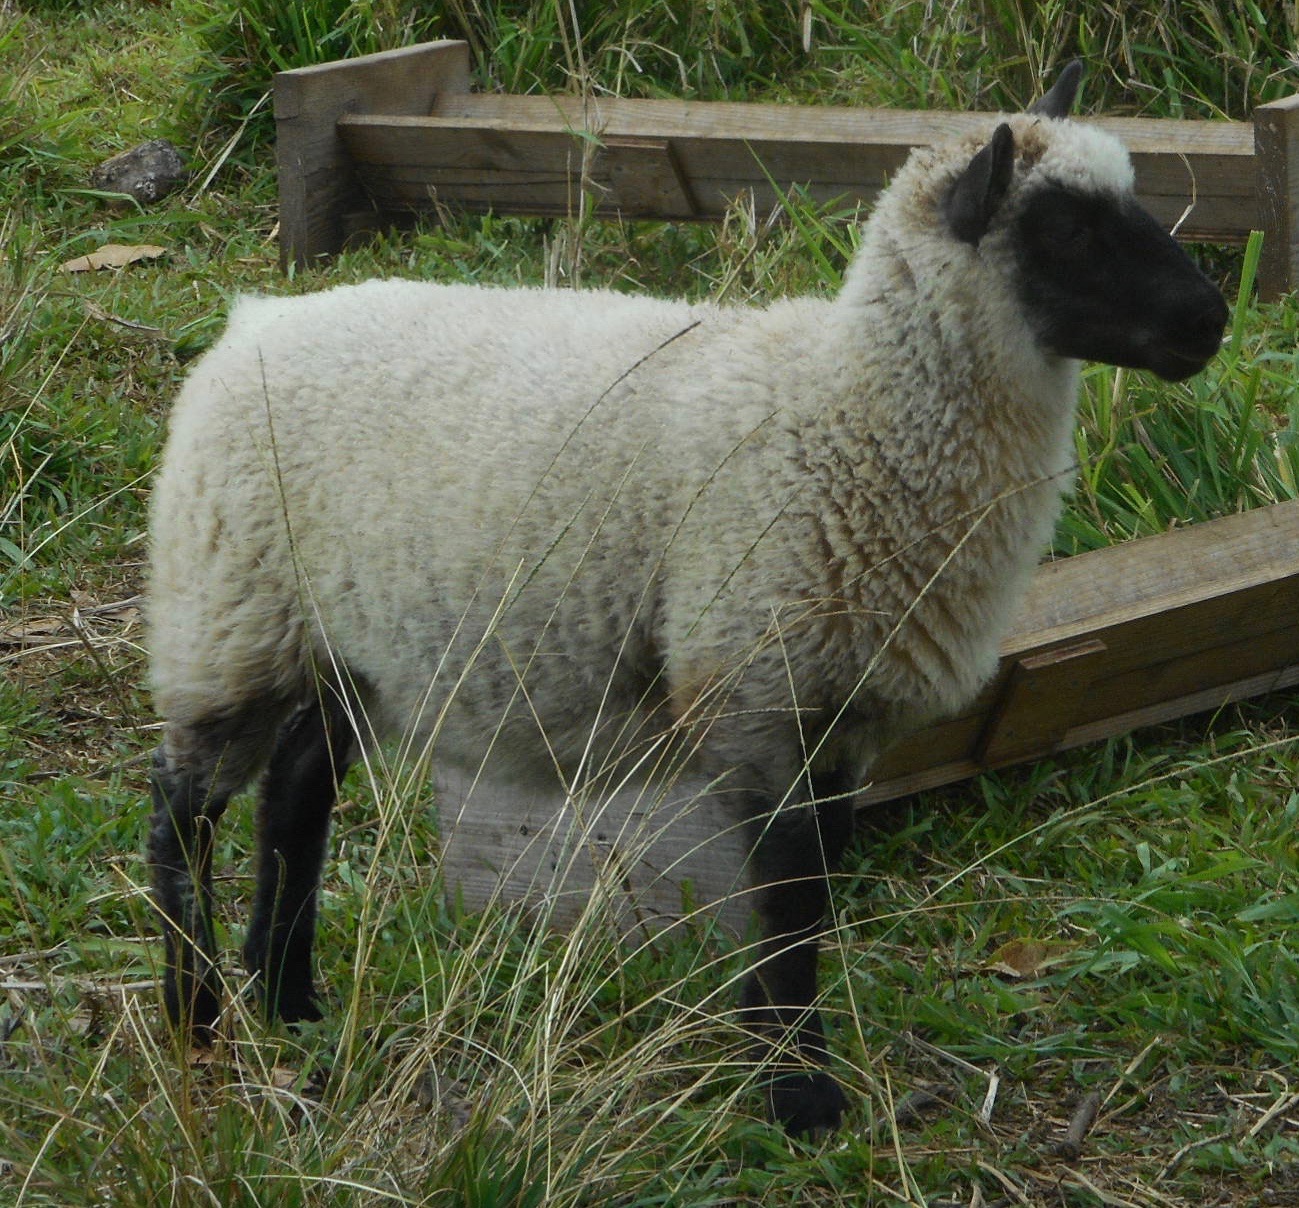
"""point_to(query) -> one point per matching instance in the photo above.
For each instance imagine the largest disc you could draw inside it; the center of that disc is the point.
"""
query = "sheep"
(533, 529)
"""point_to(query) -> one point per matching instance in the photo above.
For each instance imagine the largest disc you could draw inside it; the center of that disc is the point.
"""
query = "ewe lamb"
(537, 528)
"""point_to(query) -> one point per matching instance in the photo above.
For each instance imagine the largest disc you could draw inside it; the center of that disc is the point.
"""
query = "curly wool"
(543, 523)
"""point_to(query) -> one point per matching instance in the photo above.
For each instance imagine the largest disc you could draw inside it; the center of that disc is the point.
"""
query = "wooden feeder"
(1105, 642)
(363, 140)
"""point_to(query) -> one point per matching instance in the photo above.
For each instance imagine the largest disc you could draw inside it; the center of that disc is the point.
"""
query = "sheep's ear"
(1058, 100)
(981, 188)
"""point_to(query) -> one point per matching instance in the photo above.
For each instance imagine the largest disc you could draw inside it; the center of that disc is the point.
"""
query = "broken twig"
(1070, 1145)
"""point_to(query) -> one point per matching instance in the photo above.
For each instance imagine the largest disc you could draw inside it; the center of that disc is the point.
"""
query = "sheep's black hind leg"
(311, 756)
(194, 773)
(793, 855)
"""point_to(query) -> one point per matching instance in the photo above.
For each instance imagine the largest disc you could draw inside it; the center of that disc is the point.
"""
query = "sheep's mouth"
(1173, 356)
(1175, 363)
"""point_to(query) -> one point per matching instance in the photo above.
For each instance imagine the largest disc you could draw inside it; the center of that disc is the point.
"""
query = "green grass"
(472, 1060)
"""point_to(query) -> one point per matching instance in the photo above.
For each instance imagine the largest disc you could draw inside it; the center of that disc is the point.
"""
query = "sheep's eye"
(1066, 234)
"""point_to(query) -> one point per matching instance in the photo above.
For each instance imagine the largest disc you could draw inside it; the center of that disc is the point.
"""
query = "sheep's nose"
(1205, 326)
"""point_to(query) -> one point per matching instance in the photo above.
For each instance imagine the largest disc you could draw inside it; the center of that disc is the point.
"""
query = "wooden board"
(1123, 637)
(322, 202)
(1105, 642)
(643, 860)
(364, 139)
(536, 154)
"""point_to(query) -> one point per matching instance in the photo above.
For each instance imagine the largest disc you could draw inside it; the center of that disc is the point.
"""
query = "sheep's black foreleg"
(793, 855)
(298, 792)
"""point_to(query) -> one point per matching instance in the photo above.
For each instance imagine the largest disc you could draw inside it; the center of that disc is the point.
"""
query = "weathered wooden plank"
(1160, 599)
(1038, 703)
(642, 859)
(1194, 175)
(1189, 620)
(479, 152)
(413, 132)
(439, 143)
(319, 190)
(812, 123)
(444, 142)
(555, 193)
(1276, 148)
(932, 774)
(645, 176)
(1148, 576)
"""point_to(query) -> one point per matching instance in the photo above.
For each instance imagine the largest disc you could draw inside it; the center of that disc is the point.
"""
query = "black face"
(1103, 281)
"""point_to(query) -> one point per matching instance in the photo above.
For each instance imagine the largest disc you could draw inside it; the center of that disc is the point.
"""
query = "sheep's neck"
(953, 499)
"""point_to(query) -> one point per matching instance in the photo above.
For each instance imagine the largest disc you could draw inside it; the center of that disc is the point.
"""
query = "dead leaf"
(1026, 958)
(113, 255)
(34, 631)
(117, 616)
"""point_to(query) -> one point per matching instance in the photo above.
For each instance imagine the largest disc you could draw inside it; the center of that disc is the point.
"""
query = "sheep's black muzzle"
(1102, 281)
(1195, 342)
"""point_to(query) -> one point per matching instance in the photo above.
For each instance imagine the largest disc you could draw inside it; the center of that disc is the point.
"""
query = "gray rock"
(147, 172)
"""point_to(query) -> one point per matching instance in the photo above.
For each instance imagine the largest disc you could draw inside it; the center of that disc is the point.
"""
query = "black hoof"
(807, 1105)
(290, 996)
(296, 1009)
(291, 1002)
(193, 1014)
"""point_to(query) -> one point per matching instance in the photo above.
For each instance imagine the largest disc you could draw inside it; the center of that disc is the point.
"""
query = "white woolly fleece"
(538, 527)
(1082, 157)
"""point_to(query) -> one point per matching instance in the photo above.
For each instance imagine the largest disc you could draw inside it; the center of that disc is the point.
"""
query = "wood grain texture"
(397, 133)
(1182, 622)
(1276, 149)
(321, 199)
(640, 860)
(1039, 701)
(535, 154)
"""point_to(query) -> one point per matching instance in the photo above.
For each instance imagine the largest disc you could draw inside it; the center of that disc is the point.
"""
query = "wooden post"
(1276, 155)
(321, 198)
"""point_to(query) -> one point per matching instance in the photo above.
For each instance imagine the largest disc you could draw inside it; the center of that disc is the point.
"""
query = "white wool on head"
(1075, 154)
